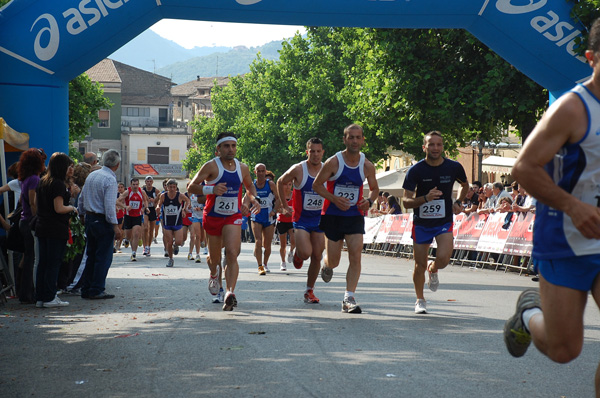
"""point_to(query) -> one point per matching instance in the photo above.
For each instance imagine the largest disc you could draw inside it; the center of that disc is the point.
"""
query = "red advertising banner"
(469, 231)
(520, 239)
(494, 234)
(398, 225)
(384, 229)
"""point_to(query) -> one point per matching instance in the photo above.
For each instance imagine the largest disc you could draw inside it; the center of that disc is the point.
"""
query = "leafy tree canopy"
(397, 83)
(86, 98)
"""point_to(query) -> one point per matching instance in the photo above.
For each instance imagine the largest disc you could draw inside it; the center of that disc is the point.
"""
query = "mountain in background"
(150, 52)
(234, 62)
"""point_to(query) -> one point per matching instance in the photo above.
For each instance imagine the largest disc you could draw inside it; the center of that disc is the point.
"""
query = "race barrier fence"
(499, 240)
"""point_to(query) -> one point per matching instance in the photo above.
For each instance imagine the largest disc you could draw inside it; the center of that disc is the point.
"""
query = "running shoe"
(170, 263)
(133, 257)
(433, 282)
(155, 241)
(298, 262)
(219, 297)
(175, 249)
(309, 297)
(234, 301)
(205, 250)
(290, 256)
(166, 254)
(326, 274)
(198, 259)
(125, 243)
(516, 336)
(230, 302)
(421, 306)
(213, 285)
(261, 270)
(145, 252)
(267, 268)
(283, 266)
(349, 305)
(190, 256)
(148, 252)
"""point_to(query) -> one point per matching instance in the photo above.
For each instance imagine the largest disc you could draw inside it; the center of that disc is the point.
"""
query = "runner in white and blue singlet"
(173, 206)
(342, 217)
(428, 190)
(307, 206)
(263, 222)
(559, 165)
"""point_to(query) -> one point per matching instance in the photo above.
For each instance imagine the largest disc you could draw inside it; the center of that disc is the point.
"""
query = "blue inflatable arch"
(46, 43)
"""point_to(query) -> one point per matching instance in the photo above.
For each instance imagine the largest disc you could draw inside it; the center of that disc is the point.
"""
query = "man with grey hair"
(489, 203)
(92, 159)
(97, 202)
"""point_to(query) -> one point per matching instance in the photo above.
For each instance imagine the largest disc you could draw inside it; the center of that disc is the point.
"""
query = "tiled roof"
(138, 87)
(191, 88)
(104, 72)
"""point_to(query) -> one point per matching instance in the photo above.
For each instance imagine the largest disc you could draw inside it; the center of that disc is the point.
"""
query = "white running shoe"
(54, 303)
(205, 250)
(198, 259)
(267, 268)
(433, 282)
(170, 263)
(133, 257)
(213, 285)
(219, 297)
(290, 256)
(421, 306)
(190, 256)
(283, 266)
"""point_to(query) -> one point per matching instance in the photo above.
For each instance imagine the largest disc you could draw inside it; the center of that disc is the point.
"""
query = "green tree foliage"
(409, 81)
(397, 83)
(585, 11)
(86, 98)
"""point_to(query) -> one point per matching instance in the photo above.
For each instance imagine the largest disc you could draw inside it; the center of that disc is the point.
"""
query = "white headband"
(228, 138)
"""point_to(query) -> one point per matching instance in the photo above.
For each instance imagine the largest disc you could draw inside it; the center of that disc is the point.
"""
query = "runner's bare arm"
(564, 122)
(462, 193)
(145, 201)
(327, 171)
(207, 172)
(364, 204)
(292, 175)
(250, 188)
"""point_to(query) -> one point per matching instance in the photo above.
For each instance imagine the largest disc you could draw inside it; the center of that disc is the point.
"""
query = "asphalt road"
(162, 337)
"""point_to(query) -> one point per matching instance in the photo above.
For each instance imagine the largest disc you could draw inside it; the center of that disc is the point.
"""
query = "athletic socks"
(527, 315)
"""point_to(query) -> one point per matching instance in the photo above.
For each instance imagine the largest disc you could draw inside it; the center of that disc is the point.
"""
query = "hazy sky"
(191, 34)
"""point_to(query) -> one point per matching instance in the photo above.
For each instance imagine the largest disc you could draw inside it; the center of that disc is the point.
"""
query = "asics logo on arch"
(247, 2)
(77, 20)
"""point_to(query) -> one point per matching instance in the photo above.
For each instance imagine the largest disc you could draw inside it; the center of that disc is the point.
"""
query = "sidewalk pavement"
(162, 337)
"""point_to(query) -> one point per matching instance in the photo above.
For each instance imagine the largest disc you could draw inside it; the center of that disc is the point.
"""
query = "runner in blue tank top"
(559, 165)
(342, 217)
(428, 190)
(263, 222)
(307, 206)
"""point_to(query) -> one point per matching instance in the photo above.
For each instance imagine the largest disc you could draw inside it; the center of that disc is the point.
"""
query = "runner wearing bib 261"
(222, 213)
(428, 191)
